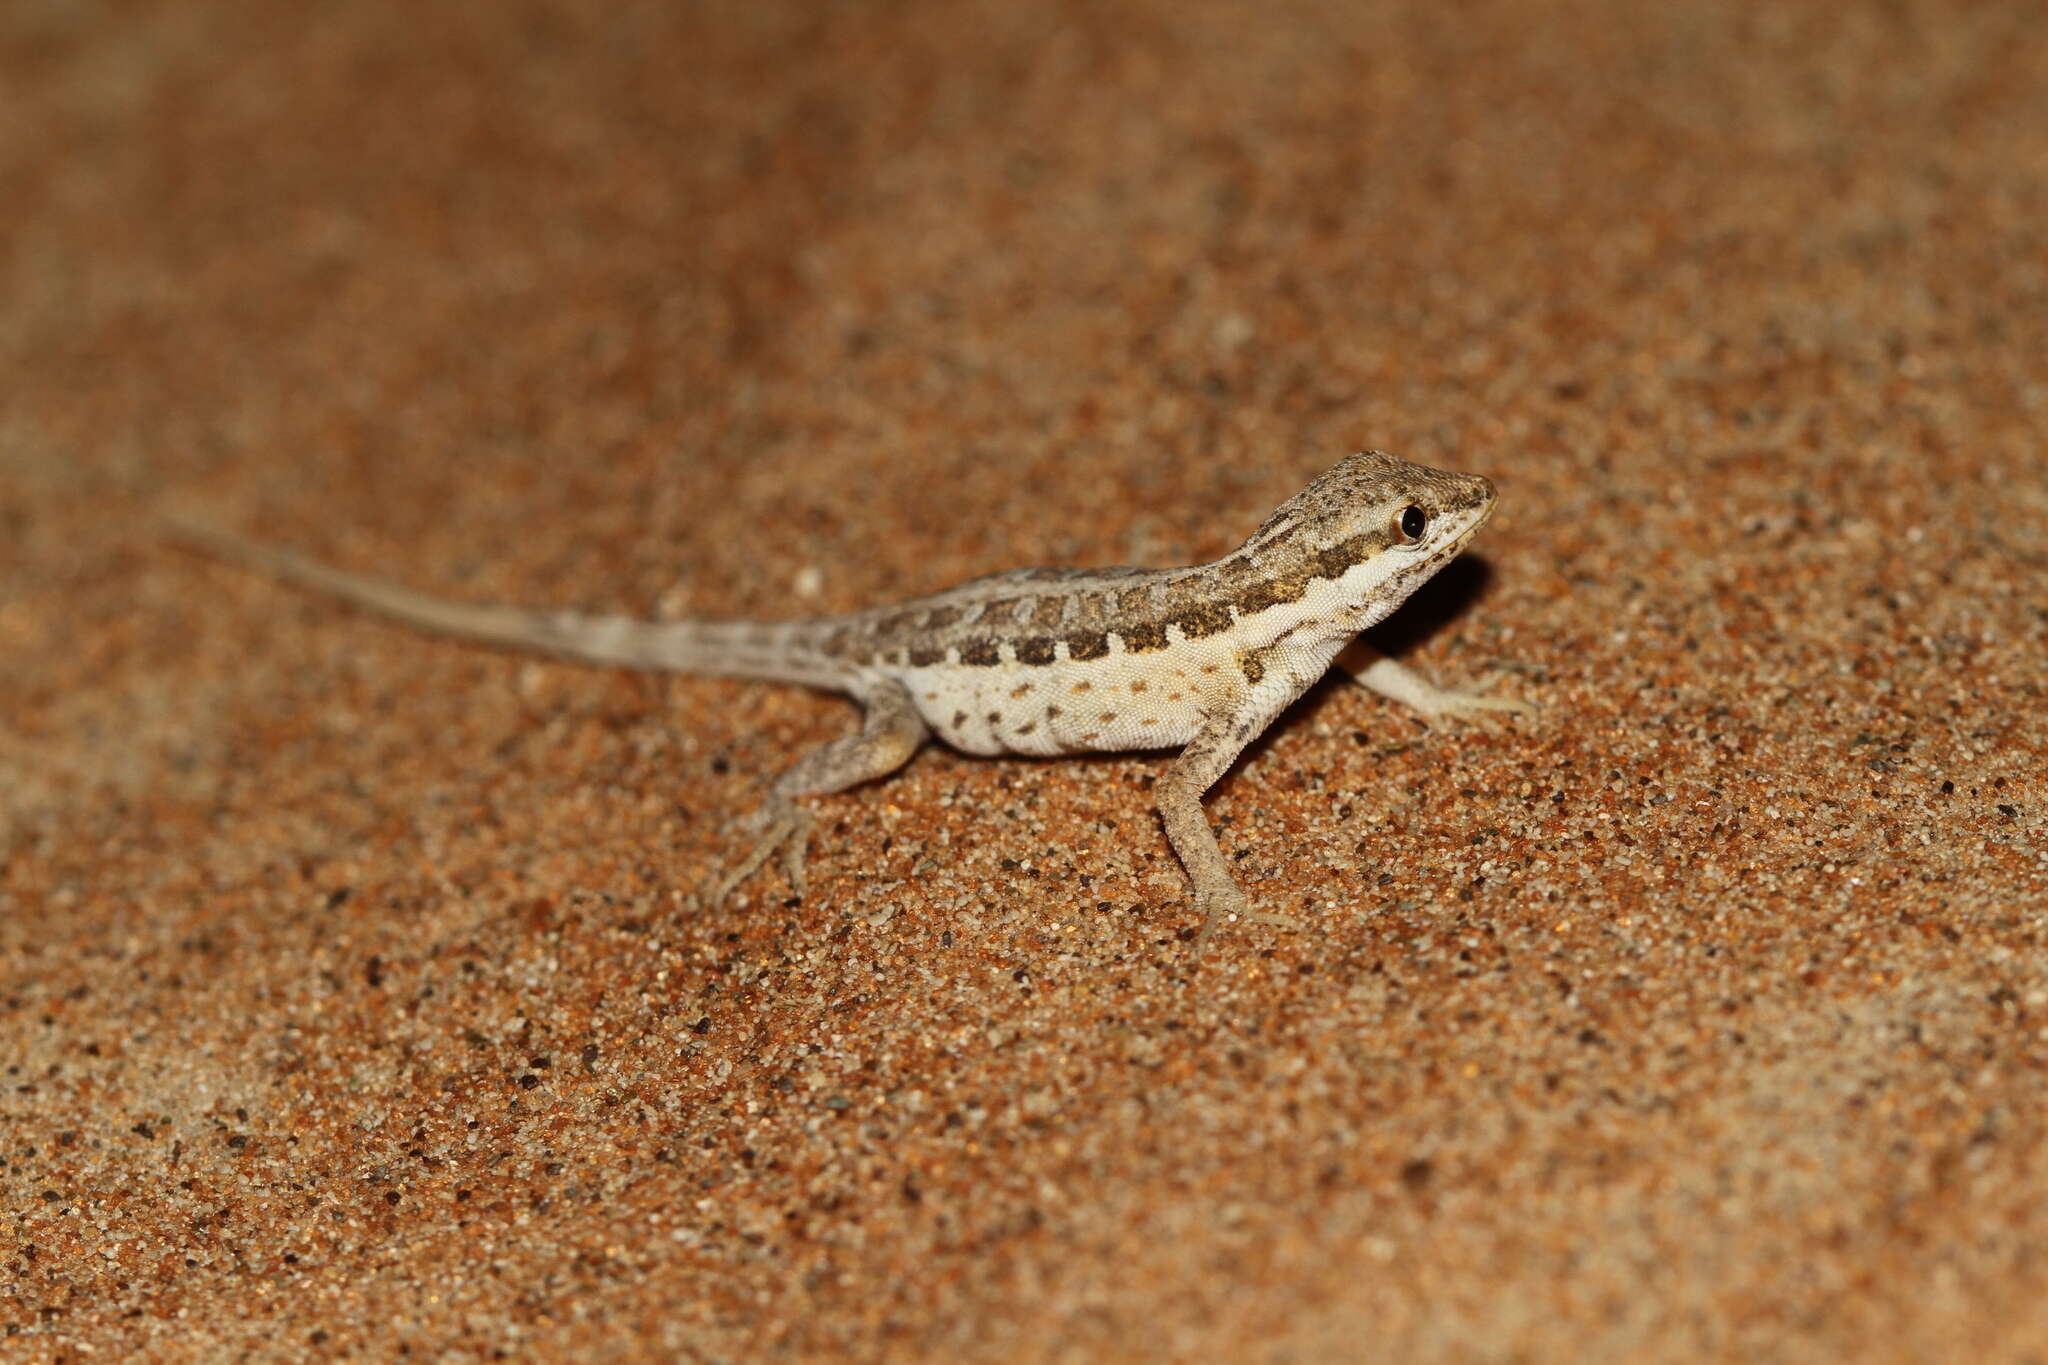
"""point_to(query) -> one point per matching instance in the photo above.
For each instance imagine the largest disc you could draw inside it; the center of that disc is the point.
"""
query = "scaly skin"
(1051, 661)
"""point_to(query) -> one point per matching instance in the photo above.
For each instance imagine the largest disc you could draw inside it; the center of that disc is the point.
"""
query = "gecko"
(1044, 661)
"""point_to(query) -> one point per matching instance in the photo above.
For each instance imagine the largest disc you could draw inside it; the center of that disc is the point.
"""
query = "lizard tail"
(779, 652)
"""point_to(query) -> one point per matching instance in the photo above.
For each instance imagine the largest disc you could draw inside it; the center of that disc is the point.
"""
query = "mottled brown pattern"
(1083, 608)
(1088, 645)
(1333, 561)
(1144, 637)
(1203, 620)
(1271, 592)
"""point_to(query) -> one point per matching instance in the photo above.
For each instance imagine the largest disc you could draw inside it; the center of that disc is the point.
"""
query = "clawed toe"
(796, 844)
(1448, 703)
(783, 827)
(1231, 905)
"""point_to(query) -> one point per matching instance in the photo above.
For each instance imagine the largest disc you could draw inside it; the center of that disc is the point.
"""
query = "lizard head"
(1357, 541)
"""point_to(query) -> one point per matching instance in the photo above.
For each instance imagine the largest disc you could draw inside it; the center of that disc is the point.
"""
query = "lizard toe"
(782, 827)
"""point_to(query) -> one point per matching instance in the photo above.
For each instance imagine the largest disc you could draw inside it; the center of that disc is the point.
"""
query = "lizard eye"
(1412, 522)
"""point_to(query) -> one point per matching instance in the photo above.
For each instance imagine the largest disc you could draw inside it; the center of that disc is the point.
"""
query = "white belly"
(1120, 701)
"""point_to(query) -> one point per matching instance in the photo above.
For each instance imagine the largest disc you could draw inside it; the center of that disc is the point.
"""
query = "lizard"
(1044, 661)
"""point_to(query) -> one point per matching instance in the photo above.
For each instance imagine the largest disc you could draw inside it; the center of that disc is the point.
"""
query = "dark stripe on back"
(1199, 603)
(1202, 620)
(1088, 645)
(1145, 638)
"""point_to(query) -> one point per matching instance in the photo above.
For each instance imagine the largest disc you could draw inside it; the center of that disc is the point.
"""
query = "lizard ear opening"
(1412, 522)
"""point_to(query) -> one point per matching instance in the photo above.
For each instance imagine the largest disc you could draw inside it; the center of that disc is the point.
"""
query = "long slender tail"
(777, 651)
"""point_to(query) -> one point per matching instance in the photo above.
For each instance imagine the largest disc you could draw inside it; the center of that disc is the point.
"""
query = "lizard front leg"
(1207, 757)
(890, 732)
(1398, 682)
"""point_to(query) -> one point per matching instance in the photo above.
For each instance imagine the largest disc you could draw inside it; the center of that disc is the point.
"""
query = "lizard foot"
(782, 826)
(1453, 702)
(1228, 902)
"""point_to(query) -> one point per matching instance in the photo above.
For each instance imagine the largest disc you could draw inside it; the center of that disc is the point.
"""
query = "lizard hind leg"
(890, 732)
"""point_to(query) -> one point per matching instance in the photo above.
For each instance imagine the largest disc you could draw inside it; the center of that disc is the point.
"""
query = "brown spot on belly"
(1027, 727)
(959, 719)
(1137, 685)
(1106, 718)
(1089, 738)
(1208, 668)
(1020, 690)
(995, 718)
(1083, 686)
(1052, 713)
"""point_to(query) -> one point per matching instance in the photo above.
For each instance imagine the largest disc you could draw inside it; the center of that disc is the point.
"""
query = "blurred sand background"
(355, 993)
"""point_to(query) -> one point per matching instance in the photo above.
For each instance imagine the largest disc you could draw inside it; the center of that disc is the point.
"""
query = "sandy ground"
(357, 996)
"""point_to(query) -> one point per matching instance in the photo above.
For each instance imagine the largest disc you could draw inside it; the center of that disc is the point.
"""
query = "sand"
(357, 995)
